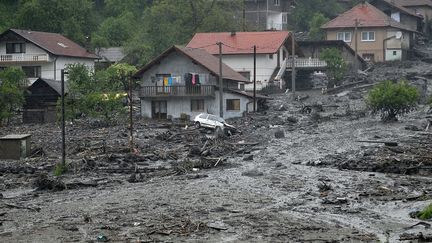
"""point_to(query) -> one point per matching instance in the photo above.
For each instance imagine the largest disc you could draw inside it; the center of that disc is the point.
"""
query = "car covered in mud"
(215, 123)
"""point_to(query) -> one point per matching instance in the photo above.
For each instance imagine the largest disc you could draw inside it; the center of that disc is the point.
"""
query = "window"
(242, 86)
(394, 53)
(345, 36)
(197, 105)
(271, 56)
(276, 2)
(368, 36)
(284, 18)
(369, 57)
(245, 74)
(233, 104)
(32, 71)
(15, 48)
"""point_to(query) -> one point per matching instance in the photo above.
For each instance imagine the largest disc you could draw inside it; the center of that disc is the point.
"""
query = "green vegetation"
(101, 95)
(60, 169)
(392, 99)
(315, 32)
(305, 10)
(336, 66)
(12, 81)
(426, 213)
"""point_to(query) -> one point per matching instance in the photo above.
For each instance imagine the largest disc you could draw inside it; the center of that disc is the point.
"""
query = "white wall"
(245, 62)
(178, 105)
(274, 21)
(62, 62)
(393, 55)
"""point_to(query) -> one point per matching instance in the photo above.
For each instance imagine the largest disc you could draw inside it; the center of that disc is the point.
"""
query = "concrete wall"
(374, 47)
(178, 105)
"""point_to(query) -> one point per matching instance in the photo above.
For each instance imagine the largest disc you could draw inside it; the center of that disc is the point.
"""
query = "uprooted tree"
(392, 99)
(98, 95)
(12, 81)
(336, 66)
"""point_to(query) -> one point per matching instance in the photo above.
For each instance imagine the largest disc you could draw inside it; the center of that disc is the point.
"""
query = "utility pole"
(63, 129)
(293, 74)
(244, 15)
(254, 84)
(131, 142)
(355, 49)
(220, 81)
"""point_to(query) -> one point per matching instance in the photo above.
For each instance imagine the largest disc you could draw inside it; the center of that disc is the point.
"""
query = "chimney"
(233, 33)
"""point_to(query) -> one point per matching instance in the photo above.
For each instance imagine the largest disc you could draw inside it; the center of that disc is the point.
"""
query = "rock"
(279, 133)
(292, 119)
(248, 157)
(412, 128)
(45, 183)
(218, 225)
(253, 173)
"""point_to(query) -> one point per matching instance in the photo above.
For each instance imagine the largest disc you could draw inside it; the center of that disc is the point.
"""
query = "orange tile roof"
(267, 42)
(367, 15)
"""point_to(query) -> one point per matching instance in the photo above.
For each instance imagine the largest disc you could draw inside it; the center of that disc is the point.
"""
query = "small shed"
(15, 146)
(41, 101)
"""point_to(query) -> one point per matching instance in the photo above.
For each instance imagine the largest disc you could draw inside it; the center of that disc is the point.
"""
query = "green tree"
(306, 9)
(315, 31)
(12, 81)
(392, 99)
(336, 66)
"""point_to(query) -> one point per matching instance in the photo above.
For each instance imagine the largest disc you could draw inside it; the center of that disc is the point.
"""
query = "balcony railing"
(24, 58)
(178, 91)
(307, 63)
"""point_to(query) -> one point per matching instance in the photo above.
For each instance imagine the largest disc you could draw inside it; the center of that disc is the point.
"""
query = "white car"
(213, 122)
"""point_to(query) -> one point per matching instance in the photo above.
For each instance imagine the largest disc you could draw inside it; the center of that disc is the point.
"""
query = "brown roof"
(203, 58)
(53, 43)
(267, 42)
(399, 7)
(409, 3)
(368, 16)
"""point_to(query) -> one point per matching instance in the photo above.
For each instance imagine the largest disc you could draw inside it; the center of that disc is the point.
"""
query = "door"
(159, 109)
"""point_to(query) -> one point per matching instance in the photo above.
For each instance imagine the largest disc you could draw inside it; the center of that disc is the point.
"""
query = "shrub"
(60, 169)
(392, 99)
(426, 213)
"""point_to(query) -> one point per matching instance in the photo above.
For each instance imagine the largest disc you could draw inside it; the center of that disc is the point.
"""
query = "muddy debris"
(43, 183)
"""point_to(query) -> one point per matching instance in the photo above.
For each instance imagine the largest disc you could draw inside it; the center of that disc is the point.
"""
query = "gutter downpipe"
(55, 68)
(385, 46)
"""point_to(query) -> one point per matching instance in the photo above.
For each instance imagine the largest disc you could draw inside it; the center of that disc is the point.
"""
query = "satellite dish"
(398, 35)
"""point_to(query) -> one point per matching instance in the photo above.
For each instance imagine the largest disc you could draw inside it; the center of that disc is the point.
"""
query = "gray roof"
(111, 54)
(54, 84)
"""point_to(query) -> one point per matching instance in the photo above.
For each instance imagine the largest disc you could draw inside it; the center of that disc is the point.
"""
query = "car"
(213, 122)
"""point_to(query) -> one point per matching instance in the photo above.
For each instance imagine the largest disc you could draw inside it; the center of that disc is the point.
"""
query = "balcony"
(177, 91)
(22, 57)
(307, 63)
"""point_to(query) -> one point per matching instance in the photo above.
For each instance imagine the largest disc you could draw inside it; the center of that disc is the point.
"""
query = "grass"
(60, 169)
(426, 213)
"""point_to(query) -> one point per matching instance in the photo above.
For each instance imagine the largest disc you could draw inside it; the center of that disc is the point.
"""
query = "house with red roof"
(272, 48)
(378, 38)
(41, 54)
(184, 82)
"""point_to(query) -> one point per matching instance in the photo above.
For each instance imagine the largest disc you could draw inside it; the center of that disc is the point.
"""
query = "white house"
(41, 54)
(184, 81)
(272, 48)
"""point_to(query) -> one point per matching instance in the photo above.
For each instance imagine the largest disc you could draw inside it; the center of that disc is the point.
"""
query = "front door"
(159, 109)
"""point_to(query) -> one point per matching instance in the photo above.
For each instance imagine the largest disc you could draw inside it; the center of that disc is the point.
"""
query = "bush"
(426, 213)
(12, 83)
(392, 99)
(60, 169)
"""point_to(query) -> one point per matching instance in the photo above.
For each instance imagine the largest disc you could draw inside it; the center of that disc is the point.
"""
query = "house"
(400, 14)
(109, 56)
(267, 14)
(419, 7)
(183, 82)
(272, 48)
(41, 54)
(313, 49)
(379, 37)
(40, 104)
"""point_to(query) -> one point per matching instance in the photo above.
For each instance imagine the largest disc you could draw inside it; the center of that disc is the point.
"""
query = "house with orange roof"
(378, 37)
(272, 50)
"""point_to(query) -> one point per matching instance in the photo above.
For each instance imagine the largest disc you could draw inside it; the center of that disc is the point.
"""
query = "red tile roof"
(201, 57)
(368, 16)
(267, 42)
(54, 43)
